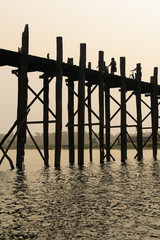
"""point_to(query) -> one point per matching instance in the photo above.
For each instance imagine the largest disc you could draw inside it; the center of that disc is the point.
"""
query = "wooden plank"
(45, 120)
(154, 112)
(101, 106)
(71, 116)
(123, 111)
(90, 117)
(58, 132)
(139, 113)
(22, 99)
(81, 105)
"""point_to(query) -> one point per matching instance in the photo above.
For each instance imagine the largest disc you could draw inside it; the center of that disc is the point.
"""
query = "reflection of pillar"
(58, 133)
(45, 119)
(22, 99)
(101, 106)
(123, 111)
(71, 115)
(139, 112)
(90, 117)
(81, 101)
(154, 112)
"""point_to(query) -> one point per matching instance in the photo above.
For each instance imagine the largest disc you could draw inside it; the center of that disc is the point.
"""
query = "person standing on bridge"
(113, 66)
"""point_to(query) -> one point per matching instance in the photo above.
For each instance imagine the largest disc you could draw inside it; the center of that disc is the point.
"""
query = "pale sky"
(119, 28)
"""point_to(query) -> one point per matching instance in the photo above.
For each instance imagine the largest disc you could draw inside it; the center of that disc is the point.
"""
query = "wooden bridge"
(85, 77)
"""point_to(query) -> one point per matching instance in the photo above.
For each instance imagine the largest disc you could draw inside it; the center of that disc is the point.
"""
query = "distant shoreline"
(129, 146)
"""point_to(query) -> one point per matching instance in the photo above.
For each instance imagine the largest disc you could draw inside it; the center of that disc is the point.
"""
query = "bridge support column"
(107, 111)
(89, 117)
(101, 106)
(71, 116)
(139, 113)
(45, 120)
(123, 111)
(59, 76)
(154, 112)
(81, 104)
(22, 100)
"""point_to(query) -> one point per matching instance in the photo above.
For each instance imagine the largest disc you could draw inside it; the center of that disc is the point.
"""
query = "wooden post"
(123, 111)
(45, 119)
(89, 117)
(81, 104)
(58, 133)
(154, 112)
(107, 115)
(101, 106)
(71, 116)
(22, 99)
(139, 113)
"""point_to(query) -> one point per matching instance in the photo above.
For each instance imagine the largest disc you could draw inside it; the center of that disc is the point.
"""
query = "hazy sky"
(119, 28)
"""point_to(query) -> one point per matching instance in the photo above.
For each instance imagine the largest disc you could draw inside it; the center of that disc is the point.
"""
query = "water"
(112, 201)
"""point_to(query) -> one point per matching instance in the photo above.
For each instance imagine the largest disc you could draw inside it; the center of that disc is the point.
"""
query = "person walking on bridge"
(113, 66)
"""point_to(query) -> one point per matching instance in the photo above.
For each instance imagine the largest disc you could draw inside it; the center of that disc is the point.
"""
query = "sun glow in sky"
(119, 28)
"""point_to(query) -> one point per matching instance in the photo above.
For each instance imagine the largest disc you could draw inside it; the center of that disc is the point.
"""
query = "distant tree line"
(38, 137)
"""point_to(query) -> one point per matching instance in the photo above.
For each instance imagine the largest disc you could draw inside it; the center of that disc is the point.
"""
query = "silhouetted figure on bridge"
(113, 66)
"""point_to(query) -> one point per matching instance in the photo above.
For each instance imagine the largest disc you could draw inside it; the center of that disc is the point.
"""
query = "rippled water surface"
(110, 201)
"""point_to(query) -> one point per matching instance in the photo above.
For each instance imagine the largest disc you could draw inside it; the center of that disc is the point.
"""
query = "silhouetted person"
(113, 66)
(135, 70)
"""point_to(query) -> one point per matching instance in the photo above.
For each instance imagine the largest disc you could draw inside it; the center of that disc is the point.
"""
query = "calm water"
(112, 201)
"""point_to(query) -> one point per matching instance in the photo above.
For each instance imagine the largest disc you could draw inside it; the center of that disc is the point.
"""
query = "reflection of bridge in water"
(86, 79)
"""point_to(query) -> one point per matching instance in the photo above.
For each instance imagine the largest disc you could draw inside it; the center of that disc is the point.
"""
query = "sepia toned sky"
(119, 28)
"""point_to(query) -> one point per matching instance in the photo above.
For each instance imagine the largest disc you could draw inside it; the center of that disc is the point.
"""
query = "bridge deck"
(11, 58)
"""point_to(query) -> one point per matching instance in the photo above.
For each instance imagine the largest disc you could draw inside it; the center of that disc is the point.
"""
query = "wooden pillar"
(89, 117)
(139, 113)
(22, 99)
(123, 111)
(45, 119)
(81, 104)
(71, 116)
(154, 112)
(101, 106)
(59, 76)
(107, 115)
